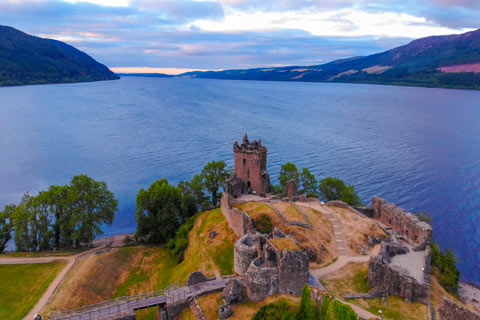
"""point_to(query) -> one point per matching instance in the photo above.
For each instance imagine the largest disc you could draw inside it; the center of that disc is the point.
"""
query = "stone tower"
(250, 166)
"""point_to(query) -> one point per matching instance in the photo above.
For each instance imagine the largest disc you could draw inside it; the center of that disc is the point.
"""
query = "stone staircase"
(196, 309)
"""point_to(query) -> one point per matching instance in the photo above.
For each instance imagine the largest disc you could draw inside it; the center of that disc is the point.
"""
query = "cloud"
(182, 9)
(220, 34)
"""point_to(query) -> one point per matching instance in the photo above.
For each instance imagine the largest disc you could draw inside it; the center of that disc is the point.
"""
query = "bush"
(176, 246)
(445, 263)
(335, 189)
(264, 224)
(329, 309)
(278, 310)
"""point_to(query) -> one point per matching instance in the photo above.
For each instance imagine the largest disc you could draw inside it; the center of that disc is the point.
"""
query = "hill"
(451, 61)
(25, 59)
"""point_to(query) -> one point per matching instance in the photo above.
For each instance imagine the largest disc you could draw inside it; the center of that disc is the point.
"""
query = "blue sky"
(178, 35)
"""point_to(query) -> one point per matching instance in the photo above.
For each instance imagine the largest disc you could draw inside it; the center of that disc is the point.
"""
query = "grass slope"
(22, 285)
(136, 269)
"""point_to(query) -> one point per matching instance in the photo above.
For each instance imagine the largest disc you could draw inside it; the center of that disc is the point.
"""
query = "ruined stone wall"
(391, 280)
(261, 280)
(293, 272)
(403, 223)
(245, 251)
(450, 310)
(240, 222)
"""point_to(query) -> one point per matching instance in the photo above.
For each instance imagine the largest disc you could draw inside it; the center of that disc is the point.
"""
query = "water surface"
(417, 147)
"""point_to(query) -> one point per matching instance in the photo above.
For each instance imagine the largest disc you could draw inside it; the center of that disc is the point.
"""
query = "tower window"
(244, 162)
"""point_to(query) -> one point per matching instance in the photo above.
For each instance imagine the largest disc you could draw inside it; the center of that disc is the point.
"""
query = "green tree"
(214, 175)
(308, 182)
(335, 189)
(288, 171)
(446, 264)
(349, 195)
(331, 188)
(6, 226)
(94, 206)
(305, 310)
(158, 211)
(194, 194)
(23, 221)
(61, 203)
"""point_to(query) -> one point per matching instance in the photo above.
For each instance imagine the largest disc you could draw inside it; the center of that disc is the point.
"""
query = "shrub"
(278, 310)
(264, 224)
(176, 246)
(445, 263)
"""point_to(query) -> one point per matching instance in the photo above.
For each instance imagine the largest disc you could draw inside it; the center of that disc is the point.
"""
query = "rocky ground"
(470, 293)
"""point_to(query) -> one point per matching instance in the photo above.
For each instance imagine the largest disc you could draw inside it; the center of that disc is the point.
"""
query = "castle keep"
(250, 169)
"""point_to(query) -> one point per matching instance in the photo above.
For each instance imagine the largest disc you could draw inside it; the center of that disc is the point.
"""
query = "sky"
(174, 36)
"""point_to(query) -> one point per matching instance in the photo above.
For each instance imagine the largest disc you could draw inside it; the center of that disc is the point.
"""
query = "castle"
(250, 169)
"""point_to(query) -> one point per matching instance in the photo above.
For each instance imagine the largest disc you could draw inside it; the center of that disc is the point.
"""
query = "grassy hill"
(25, 59)
(451, 61)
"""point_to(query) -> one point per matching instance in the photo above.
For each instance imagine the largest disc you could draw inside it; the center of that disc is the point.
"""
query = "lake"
(416, 147)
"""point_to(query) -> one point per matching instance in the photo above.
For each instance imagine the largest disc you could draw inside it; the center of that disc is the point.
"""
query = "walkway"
(111, 308)
(42, 302)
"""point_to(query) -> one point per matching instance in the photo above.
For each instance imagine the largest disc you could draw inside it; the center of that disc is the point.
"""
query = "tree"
(94, 205)
(288, 171)
(214, 175)
(23, 221)
(309, 183)
(305, 310)
(158, 211)
(194, 195)
(349, 195)
(446, 264)
(6, 226)
(62, 206)
(331, 188)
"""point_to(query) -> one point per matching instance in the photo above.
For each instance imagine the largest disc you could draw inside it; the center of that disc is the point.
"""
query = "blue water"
(417, 147)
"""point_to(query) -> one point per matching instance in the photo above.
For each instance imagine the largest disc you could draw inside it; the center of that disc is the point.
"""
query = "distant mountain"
(25, 59)
(451, 61)
(148, 75)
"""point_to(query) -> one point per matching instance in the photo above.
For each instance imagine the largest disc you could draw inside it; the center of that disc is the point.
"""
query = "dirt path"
(42, 302)
(342, 249)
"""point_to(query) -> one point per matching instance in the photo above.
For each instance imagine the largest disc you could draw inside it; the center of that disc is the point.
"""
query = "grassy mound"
(28, 281)
(137, 269)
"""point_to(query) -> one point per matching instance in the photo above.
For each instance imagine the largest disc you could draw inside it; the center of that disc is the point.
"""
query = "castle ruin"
(250, 169)
(270, 265)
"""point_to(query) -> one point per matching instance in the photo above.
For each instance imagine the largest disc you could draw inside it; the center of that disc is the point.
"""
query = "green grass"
(22, 285)
(59, 253)
(360, 282)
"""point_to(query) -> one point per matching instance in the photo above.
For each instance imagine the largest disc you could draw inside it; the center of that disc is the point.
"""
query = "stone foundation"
(393, 280)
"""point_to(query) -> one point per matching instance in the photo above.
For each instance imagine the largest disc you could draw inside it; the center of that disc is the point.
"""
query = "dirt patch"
(289, 211)
(94, 278)
(470, 67)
